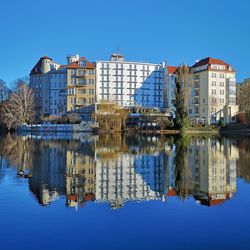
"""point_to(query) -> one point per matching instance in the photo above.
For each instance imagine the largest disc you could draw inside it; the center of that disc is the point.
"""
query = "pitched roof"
(75, 65)
(171, 69)
(209, 61)
(37, 68)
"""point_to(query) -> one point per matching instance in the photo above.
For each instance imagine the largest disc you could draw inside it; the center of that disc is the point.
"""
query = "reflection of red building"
(210, 200)
(171, 192)
(74, 200)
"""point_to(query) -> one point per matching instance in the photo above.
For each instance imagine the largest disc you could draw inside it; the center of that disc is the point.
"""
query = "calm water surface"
(124, 192)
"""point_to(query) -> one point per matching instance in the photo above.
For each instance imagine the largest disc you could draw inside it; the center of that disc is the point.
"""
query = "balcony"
(196, 103)
(196, 86)
(196, 94)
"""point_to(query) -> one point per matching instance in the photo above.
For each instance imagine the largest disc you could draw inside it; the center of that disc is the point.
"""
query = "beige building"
(80, 178)
(213, 91)
(81, 94)
(213, 165)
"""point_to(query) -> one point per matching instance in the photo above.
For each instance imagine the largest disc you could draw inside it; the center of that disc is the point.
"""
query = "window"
(222, 84)
(213, 74)
(213, 91)
(222, 92)
(213, 83)
(222, 75)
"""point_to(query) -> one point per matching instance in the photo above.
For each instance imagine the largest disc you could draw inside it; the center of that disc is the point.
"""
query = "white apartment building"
(213, 91)
(130, 84)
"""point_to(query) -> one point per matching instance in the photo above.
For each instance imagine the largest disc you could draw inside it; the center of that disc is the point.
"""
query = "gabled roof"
(209, 61)
(171, 69)
(75, 65)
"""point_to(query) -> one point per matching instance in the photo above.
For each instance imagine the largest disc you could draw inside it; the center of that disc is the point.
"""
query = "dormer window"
(82, 63)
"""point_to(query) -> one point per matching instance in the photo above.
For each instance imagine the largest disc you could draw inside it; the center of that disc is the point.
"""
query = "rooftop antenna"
(118, 49)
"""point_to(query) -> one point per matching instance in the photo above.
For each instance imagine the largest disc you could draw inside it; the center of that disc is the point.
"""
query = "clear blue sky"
(149, 30)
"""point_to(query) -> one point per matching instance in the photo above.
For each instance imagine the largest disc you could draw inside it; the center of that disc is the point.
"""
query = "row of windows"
(213, 92)
(221, 84)
(82, 100)
(131, 66)
(220, 75)
(55, 76)
(82, 72)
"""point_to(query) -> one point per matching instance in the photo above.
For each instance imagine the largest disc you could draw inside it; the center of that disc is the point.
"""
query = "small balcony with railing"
(196, 102)
(196, 94)
(196, 86)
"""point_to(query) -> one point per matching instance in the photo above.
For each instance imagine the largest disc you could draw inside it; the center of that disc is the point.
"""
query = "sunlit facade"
(130, 84)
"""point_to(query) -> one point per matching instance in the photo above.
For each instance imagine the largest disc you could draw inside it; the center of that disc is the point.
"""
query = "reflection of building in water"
(213, 165)
(48, 181)
(80, 178)
(132, 176)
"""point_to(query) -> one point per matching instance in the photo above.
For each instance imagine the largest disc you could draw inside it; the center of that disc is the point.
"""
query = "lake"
(81, 191)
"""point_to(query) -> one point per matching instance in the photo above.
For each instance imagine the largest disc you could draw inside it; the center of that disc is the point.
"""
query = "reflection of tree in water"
(182, 171)
(18, 151)
(243, 163)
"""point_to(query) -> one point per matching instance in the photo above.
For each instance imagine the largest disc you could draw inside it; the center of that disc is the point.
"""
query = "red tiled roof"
(171, 192)
(216, 202)
(75, 65)
(72, 197)
(89, 197)
(209, 61)
(171, 69)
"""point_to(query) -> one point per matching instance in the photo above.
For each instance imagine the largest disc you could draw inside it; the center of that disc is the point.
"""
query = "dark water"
(124, 192)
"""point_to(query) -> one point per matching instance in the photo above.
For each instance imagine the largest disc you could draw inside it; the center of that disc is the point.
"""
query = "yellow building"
(81, 94)
(80, 178)
(213, 165)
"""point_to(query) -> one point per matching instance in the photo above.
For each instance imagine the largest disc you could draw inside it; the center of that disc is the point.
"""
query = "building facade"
(213, 95)
(81, 90)
(130, 84)
(40, 83)
(213, 166)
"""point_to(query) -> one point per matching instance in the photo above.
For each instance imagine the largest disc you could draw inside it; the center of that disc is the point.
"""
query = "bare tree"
(4, 91)
(110, 116)
(244, 101)
(19, 108)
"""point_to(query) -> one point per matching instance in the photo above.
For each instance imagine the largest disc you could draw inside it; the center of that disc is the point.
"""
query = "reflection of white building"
(214, 170)
(129, 178)
(130, 83)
